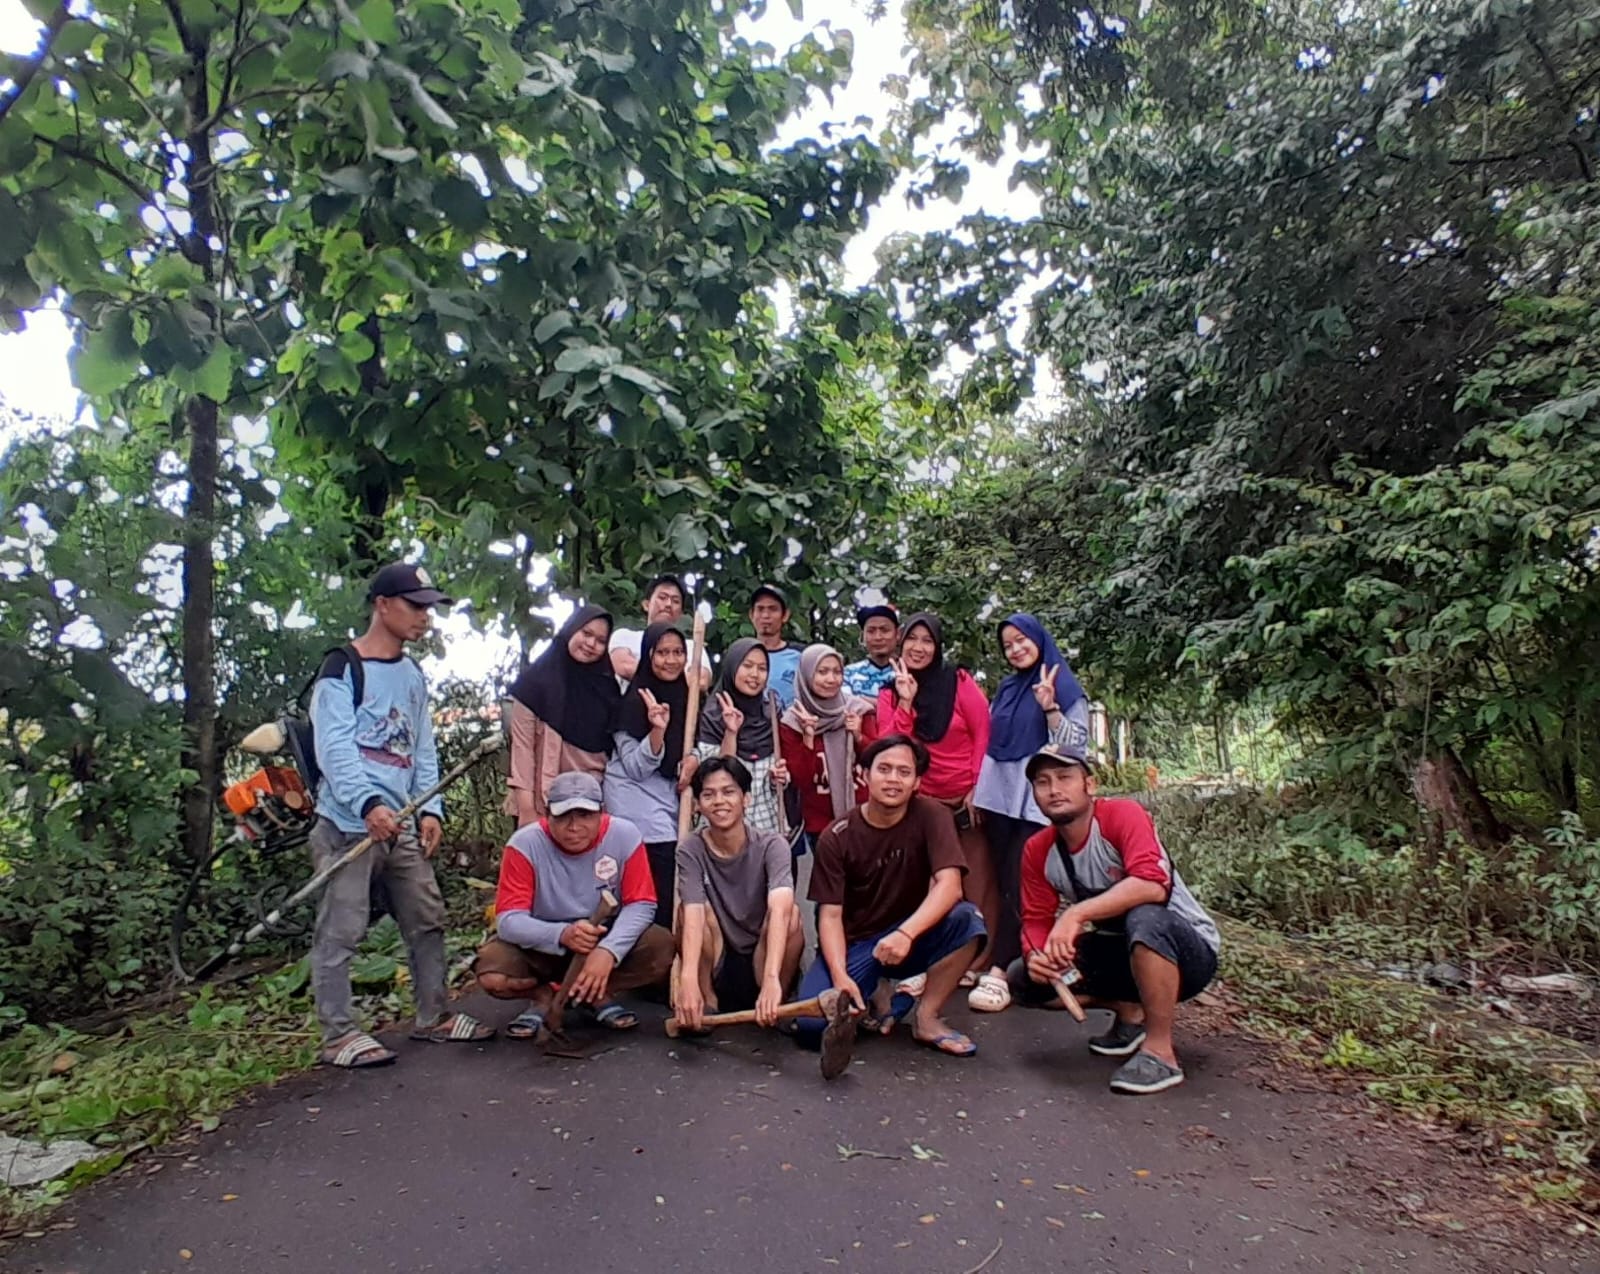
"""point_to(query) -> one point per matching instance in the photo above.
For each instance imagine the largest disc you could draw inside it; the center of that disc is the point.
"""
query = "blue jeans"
(961, 927)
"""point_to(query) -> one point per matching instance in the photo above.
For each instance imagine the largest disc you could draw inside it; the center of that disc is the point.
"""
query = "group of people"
(956, 841)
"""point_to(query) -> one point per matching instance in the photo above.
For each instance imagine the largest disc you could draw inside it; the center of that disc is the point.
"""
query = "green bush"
(89, 878)
(1376, 889)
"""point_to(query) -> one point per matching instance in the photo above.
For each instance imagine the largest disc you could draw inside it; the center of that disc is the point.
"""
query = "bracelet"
(898, 929)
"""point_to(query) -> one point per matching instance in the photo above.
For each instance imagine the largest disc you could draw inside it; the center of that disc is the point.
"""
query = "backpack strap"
(1080, 894)
(351, 659)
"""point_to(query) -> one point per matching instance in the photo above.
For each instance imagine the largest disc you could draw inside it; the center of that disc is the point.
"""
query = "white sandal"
(912, 986)
(991, 995)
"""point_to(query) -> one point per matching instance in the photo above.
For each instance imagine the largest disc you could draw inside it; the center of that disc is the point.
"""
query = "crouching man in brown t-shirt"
(887, 881)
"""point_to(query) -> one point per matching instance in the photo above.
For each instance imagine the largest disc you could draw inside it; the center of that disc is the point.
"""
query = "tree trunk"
(199, 648)
(1452, 802)
(200, 416)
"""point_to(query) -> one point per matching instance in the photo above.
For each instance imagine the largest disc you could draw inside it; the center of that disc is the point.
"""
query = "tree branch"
(95, 161)
(24, 73)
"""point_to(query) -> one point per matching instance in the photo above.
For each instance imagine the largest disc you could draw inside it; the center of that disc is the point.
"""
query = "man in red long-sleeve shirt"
(1100, 892)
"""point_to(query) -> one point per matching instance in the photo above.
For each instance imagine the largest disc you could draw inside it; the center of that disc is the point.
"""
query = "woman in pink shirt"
(943, 707)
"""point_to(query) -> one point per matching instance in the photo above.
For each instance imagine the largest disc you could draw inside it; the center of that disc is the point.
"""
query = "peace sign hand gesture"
(905, 685)
(655, 712)
(732, 718)
(808, 722)
(1044, 690)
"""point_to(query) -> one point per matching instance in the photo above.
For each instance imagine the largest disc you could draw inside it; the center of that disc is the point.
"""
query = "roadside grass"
(1530, 1100)
(179, 1070)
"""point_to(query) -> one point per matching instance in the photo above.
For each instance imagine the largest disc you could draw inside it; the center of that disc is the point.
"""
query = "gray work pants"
(342, 914)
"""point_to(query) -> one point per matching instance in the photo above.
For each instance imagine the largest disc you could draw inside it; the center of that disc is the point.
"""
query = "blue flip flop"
(938, 1042)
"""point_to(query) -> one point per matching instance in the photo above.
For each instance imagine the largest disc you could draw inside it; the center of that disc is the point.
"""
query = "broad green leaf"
(108, 358)
(552, 323)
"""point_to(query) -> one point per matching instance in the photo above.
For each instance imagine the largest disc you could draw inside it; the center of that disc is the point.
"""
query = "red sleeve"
(869, 732)
(801, 760)
(637, 884)
(517, 884)
(1127, 825)
(1039, 898)
(975, 708)
(890, 717)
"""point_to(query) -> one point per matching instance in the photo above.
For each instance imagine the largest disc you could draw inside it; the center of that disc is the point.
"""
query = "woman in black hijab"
(942, 705)
(563, 711)
(649, 767)
(739, 720)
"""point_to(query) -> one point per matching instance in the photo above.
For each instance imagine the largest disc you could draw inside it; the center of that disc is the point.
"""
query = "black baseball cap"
(772, 591)
(1052, 754)
(401, 579)
(881, 611)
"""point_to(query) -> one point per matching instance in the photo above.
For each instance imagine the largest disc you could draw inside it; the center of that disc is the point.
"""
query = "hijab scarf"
(935, 704)
(838, 748)
(1017, 725)
(675, 694)
(577, 701)
(755, 735)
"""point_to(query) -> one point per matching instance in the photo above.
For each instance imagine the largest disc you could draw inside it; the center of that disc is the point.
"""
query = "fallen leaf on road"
(1141, 1173)
(1053, 1221)
(185, 1254)
(850, 1152)
(1027, 1181)
(1266, 1183)
(927, 1218)
(923, 1154)
(229, 1198)
(1094, 1216)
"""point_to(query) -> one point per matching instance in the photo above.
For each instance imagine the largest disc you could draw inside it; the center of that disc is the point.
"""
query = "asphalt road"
(731, 1155)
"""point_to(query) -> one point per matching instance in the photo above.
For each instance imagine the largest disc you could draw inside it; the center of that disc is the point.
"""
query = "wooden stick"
(603, 911)
(747, 1017)
(1064, 990)
(777, 755)
(691, 724)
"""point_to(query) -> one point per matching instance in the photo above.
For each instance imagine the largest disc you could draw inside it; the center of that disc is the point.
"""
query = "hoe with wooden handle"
(603, 911)
(838, 1038)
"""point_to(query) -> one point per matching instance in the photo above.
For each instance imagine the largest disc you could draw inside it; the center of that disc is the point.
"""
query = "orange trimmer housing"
(272, 799)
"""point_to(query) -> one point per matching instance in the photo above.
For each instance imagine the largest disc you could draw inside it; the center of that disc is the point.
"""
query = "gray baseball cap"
(574, 791)
(1050, 754)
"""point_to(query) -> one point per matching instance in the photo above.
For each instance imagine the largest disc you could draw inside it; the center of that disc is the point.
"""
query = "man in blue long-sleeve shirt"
(374, 758)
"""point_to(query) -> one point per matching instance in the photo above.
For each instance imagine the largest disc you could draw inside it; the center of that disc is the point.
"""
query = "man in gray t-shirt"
(741, 939)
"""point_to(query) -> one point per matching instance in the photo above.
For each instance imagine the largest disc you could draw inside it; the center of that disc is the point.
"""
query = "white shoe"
(991, 995)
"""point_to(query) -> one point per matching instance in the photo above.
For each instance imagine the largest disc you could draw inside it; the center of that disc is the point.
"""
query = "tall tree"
(501, 269)
(1281, 249)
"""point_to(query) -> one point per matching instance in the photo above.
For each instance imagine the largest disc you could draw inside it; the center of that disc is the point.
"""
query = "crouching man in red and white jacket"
(1100, 892)
(551, 875)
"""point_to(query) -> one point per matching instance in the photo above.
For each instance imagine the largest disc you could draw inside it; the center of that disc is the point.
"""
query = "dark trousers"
(1105, 957)
(663, 856)
(1006, 836)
